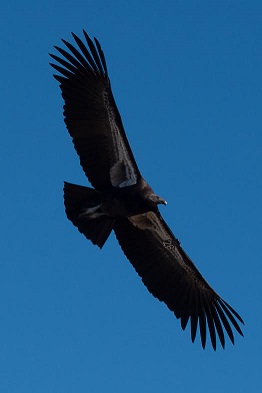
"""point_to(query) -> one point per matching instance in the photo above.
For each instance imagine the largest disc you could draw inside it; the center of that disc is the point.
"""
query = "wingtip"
(74, 35)
(86, 35)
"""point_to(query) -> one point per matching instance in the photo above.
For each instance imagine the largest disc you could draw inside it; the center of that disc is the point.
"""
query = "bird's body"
(122, 200)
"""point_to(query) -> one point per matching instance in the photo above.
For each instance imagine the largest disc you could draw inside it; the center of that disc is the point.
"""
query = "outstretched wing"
(171, 276)
(92, 117)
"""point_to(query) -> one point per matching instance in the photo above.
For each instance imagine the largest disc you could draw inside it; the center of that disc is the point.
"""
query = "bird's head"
(156, 199)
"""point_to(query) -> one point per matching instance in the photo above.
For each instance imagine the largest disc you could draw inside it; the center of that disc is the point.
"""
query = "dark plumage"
(122, 201)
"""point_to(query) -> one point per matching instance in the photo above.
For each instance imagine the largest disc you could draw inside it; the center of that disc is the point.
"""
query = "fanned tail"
(82, 206)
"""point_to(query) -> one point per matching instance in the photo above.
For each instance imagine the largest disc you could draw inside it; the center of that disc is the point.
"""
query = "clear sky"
(186, 76)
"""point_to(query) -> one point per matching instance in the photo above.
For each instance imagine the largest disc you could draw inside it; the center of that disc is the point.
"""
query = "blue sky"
(186, 76)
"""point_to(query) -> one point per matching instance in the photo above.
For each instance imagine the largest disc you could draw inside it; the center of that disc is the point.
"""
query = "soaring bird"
(122, 200)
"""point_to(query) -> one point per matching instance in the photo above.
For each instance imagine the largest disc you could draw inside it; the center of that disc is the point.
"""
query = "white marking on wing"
(150, 221)
(120, 151)
(118, 175)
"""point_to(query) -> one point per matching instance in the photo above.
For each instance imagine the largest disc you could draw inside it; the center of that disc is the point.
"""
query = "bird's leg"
(92, 212)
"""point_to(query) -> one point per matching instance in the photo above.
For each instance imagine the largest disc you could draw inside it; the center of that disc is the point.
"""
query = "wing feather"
(211, 325)
(171, 276)
(91, 115)
(218, 325)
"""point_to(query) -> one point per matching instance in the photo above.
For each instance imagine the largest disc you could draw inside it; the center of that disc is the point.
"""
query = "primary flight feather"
(122, 200)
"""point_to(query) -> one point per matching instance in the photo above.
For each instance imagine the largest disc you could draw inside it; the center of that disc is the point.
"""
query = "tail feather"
(78, 200)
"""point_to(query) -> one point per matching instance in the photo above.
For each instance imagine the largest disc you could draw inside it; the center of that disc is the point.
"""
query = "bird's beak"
(162, 201)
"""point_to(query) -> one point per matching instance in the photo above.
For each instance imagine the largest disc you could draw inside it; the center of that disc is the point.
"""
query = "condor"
(122, 201)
